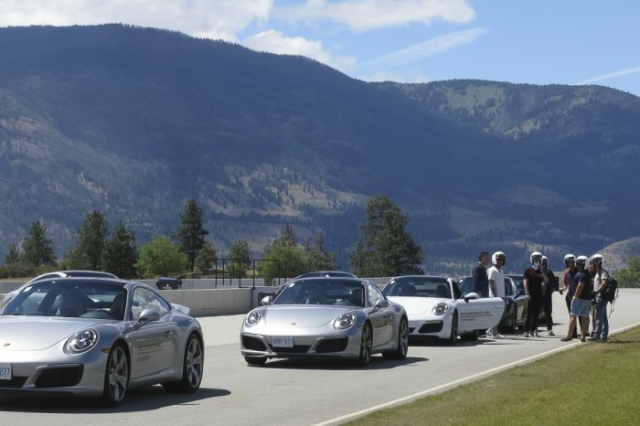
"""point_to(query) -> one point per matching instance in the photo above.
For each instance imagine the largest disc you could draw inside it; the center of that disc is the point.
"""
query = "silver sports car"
(96, 337)
(325, 317)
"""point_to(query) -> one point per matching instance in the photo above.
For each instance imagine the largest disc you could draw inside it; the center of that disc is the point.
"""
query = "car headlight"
(344, 321)
(253, 318)
(82, 341)
(440, 309)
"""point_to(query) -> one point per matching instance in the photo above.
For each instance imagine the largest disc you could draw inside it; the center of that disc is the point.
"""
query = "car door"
(154, 344)
(477, 314)
(382, 319)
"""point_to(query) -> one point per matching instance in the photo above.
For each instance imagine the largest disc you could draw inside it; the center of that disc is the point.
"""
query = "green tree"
(89, 248)
(240, 259)
(191, 233)
(629, 276)
(120, 253)
(38, 249)
(281, 262)
(286, 238)
(160, 257)
(316, 256)
(384, 247)
(13, 255)
(207, 256)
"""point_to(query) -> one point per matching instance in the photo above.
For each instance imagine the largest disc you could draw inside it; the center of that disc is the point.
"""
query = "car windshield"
(70, 298)
(419, 287)
(317, 291)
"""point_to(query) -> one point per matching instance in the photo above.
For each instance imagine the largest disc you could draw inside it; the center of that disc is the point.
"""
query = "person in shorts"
(581, 301)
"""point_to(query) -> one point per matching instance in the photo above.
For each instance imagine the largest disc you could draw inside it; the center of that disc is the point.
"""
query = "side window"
(146, 299)
(374, 294)
(457, 293)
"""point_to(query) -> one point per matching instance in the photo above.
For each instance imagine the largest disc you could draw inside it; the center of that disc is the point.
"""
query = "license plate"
(282, 341)
(5, 371)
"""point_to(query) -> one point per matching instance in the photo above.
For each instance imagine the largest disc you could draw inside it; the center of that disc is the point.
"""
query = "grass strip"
(592, 384)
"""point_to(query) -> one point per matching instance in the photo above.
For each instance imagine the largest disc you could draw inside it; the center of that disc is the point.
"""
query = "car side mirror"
(382, 303)
(148, 315)
(471, 296)
(267, 300)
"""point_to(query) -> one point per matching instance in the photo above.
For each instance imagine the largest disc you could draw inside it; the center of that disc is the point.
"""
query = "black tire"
(116, 376)
(470, 337)
(366, 345)
(403, 342)
(192, 368)
(453, 336)
(255, 361)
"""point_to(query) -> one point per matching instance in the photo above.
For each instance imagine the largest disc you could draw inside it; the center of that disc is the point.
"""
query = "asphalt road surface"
(308, 393)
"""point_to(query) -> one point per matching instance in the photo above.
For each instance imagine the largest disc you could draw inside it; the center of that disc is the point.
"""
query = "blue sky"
(520, 41)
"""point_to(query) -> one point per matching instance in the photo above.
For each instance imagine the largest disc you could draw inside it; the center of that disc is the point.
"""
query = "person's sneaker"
(551, 333)
(593, 339)
(499, 336)
(583, 340)
(526, 334)
(566, 339)
(535, 333)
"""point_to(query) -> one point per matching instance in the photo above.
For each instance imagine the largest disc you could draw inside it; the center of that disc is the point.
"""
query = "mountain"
(134, 121)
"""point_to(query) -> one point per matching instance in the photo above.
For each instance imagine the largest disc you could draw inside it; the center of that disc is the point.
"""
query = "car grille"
(296, 349)
(15, 382)
(60, 376)
(253, 343)
(332, 345)
(435, 327)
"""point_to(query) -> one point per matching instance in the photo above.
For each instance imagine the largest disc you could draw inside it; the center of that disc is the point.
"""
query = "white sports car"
(438, 309)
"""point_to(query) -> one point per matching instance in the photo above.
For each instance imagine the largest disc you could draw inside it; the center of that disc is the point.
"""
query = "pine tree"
(191, 233)
(206, 258)
(13, 255)
(240, 259)
(384, 247)
(38, 249)
(286, 238)
(89, 248)
(120, 253)
(316, 256)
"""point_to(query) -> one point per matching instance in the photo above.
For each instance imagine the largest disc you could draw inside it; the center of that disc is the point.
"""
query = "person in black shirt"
(480, 278)
(581, 300)
(533, 289)
(550, 284)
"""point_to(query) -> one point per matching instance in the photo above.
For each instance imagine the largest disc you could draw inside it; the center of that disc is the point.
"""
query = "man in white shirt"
(599, 285)
(496, 285)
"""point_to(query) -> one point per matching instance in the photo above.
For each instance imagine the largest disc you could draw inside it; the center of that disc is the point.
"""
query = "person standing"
(532, 278)
(567, 281)
(480, 279)
(496, 286)
(550, 284)
(599, 285)
(581, 300)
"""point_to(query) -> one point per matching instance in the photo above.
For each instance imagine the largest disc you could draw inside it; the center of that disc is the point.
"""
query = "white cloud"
(219, 19)
(611, 75)
(365, 15)
(275, 42)
(428, 48)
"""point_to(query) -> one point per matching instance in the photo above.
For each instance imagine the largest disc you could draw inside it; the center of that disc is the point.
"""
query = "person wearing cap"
(550, 284)
(496, 286)
(581, 300)
(599, 285)
(532, 279)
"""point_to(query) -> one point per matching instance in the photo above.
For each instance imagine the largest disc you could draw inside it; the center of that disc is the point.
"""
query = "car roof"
(326, 274)
(73, 273)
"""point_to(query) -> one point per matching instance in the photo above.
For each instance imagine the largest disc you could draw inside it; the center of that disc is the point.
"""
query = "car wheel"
(255, 361)
(453, 336)
(470, 337)
(192, 368)
(116, 376)
(403, 342)
(366, 345)
(514, 320)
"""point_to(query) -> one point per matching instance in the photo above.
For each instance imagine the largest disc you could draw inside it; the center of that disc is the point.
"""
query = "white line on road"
(455, 383)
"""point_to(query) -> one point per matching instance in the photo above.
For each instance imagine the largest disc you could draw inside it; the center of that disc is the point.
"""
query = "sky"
(411, 41)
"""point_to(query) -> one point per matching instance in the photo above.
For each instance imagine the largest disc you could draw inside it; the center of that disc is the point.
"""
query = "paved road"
(303, 393)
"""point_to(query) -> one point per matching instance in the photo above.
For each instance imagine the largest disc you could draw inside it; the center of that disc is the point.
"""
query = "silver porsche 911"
(325, 317)
(96, 337)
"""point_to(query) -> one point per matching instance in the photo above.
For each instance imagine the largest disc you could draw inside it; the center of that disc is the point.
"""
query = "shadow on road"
(145, 399)
(377, 363)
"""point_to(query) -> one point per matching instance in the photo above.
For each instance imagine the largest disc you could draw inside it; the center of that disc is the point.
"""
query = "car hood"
(417, 305)
(303, 317)
(31, 334)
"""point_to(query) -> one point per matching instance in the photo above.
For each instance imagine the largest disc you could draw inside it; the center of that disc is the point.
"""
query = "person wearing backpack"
(600, 282)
